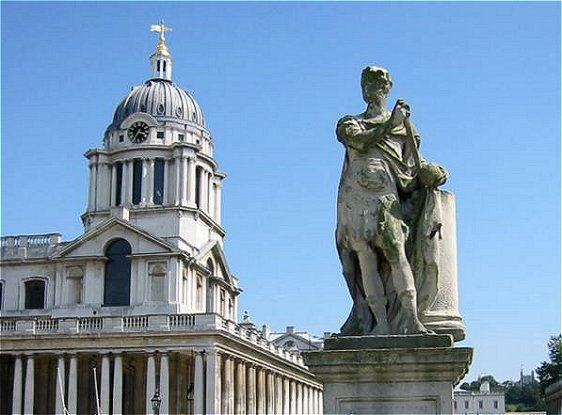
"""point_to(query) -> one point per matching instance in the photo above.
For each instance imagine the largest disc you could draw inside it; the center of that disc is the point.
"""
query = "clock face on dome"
(138, 132)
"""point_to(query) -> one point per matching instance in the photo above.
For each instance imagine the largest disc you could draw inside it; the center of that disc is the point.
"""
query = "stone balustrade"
(44, 325)
(29, 246)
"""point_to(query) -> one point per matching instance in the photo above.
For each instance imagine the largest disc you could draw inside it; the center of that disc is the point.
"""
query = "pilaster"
(17, 387)
(240, 388)
(73, 384)
(164, 383)
(60, 385)
(117, 384)
(251, 404)
(104, 392)
(29, 385)
(270, 392)
(213, 382)
(261, 393)
(150, 380)
(199, 386)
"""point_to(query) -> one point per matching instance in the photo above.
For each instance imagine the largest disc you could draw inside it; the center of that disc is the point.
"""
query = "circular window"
(179, 111)
(161, 109)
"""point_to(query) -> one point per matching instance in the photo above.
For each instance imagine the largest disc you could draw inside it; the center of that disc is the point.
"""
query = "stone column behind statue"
(396, 240)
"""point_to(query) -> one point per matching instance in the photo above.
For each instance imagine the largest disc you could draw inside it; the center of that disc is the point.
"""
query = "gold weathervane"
(161, 28)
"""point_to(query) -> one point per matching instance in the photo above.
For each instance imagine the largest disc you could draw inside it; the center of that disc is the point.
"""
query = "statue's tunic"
(374, 175)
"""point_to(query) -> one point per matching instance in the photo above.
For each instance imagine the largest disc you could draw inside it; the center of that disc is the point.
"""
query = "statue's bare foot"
(417, 328)
(380, 329)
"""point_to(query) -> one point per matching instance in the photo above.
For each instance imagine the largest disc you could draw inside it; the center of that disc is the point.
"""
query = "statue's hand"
(400, 112)
(432, 175)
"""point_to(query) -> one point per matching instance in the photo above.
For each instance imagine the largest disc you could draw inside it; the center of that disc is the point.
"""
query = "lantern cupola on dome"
(161, 60)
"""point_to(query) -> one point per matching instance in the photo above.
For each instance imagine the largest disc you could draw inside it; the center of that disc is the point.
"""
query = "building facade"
(294, 340)
(482, 402)
(142, 306)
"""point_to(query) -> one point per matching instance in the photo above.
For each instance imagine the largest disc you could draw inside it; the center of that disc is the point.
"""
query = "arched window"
(198, 179)
(118, 182)
(137, 181)
(35, 294)
(211, 266)
(1, 295)
(158, 192)
(117, 284)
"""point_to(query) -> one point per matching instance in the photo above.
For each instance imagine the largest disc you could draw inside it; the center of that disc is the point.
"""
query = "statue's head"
(375, 83)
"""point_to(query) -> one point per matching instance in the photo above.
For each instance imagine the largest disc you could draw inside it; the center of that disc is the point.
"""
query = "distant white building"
(483, 402)
(296, 340)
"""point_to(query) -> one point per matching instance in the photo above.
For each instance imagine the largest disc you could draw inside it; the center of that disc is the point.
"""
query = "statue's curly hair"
(375, 74)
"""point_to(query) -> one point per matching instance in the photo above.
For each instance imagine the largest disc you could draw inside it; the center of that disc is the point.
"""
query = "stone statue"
(389, 216)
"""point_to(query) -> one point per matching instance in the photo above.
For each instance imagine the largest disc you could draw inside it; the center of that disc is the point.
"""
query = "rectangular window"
(455, 405)
(480, 404)
(118, 183)
(465, 404)
(1, 295)
(137, 181)
(181, 137)
(496, 404)
(121, 138)
(34, 294)
(158, 196)
(160, 135)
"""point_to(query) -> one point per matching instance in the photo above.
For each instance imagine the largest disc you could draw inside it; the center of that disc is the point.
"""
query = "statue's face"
(375, 84)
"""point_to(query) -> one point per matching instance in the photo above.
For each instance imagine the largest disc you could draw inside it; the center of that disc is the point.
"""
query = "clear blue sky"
(483, 81)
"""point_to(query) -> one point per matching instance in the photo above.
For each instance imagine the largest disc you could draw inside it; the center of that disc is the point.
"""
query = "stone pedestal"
(389, 374)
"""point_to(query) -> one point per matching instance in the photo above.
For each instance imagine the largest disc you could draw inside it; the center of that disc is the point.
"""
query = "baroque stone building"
(482, 402)
(143, 303)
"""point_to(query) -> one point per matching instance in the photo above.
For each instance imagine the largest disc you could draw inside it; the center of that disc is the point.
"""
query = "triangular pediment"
(212, 251)
(94, 242)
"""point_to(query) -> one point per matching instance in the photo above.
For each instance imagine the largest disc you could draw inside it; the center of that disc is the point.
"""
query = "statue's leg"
(374, 289)
(360, 319)
(403, 281)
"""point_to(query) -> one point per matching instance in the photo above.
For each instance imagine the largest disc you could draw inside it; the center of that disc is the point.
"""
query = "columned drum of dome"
(157, 155)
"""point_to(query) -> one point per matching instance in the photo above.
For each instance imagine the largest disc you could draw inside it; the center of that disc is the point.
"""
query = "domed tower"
(156, 169)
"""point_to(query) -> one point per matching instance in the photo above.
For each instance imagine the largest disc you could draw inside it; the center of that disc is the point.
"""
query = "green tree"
(550, 372)
(524, 398)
